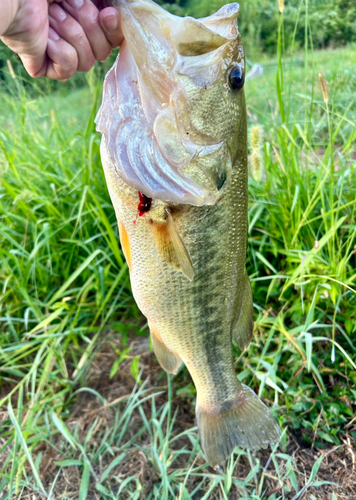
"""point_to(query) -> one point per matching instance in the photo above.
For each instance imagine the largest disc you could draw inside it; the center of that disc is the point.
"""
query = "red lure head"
(144, 205)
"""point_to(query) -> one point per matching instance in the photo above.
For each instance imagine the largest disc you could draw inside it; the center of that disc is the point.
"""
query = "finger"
(33, 65)
(70, 30)
(62, 60)
(109, 19)
(87, 15)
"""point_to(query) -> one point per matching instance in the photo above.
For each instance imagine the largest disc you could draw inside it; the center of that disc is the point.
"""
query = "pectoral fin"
(172, 248)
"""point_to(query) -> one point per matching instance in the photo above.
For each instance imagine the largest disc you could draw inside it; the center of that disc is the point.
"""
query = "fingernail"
(76, 4)
(110, 22)
(52, 35)
(58, 13)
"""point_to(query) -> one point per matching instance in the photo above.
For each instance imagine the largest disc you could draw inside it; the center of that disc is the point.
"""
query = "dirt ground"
(338, 465)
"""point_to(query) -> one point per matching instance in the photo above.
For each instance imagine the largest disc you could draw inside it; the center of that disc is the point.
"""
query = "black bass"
(174, 151)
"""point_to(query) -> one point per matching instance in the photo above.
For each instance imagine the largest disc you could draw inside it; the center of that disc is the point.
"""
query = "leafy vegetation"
(329, 23)
(75, 416)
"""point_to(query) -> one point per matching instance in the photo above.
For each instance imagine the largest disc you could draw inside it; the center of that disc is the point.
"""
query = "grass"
(85, 410)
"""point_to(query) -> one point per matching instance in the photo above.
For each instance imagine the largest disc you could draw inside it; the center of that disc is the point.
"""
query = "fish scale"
(186, 250)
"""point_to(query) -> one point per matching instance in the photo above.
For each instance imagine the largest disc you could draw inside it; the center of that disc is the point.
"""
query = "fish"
(174, 153)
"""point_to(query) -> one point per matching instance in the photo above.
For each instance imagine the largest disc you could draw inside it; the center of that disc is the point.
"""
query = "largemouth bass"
(174, 152)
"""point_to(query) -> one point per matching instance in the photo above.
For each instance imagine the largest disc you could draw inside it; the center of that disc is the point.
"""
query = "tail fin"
(247, 423)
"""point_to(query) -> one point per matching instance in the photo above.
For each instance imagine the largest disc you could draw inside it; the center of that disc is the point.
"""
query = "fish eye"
(236, 78)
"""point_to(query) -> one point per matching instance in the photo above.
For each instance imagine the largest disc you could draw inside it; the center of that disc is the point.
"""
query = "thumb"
(27, 36)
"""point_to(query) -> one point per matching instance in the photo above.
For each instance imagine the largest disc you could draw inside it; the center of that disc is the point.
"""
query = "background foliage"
(331, 23)
(67, 317)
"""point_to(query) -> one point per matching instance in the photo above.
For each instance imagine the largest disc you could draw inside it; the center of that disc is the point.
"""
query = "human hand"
(58, 39)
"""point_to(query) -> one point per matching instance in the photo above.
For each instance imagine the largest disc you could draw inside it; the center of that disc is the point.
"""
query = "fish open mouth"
(145, 120)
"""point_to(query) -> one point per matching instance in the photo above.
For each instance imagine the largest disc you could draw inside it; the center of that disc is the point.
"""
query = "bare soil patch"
(338, 466)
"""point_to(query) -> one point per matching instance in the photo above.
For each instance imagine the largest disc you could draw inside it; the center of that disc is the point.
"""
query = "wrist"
(9, 9)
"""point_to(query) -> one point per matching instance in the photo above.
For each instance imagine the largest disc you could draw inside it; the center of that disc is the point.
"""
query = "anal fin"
(172, 248)
(242, 331)
(169, 361)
